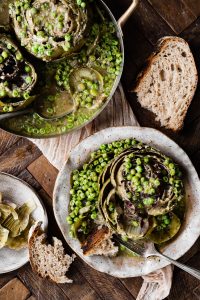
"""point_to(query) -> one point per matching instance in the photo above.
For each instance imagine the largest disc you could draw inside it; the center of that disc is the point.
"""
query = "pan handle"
(124, 18)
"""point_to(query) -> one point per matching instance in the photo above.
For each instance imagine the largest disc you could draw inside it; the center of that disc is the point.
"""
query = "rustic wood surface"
(152, 20)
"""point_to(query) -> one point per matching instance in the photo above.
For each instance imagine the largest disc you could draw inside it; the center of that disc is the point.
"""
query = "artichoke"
(141, 183)
(50, 29)
(3, 236)
(17, 226)
(17, 77)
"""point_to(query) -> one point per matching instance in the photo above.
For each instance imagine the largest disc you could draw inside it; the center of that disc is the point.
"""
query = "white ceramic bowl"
(130, 266)
(19, 192)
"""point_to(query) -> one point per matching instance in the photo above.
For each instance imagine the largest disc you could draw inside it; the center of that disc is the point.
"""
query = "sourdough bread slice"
(168, 83)
(99, 243)
(49, 261)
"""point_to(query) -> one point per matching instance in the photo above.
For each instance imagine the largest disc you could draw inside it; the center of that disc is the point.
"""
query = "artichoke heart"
(17, 77)
(5, 211)
(19, 242)
(50, 29)
(17, 226)
(3, 236)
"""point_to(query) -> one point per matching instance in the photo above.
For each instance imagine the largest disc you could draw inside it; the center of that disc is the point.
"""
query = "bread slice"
(49, 261)
(168, 83)
(99, 243)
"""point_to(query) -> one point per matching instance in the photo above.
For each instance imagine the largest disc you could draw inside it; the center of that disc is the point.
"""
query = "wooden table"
(152, 20)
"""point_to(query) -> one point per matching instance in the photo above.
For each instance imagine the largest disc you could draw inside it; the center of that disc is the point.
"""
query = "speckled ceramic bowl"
(19, 192)
(129, 266)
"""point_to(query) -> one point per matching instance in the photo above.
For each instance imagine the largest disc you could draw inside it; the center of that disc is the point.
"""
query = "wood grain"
(176, 13)
(15, 290)
(44, 173)
(18, 157)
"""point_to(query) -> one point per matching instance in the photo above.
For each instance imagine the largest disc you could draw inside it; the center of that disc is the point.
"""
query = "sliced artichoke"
(5, 211)
(19, 242)
(50, 29)
(3, 236)
(17, 77)
(17, 226)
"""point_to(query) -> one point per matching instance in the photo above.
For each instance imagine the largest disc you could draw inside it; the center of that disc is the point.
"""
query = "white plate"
(130, 266)
(19, 192)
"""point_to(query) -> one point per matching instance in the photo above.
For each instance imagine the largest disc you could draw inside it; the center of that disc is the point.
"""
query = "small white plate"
(19, 192)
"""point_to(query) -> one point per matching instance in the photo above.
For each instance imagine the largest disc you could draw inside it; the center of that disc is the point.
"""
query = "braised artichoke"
(50, 29)
(138, 190)
(17, 77)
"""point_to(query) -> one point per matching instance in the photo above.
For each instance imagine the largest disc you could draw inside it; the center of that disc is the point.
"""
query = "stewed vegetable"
(75, 88)
(132, 188)
(51, 29)
(17, 76)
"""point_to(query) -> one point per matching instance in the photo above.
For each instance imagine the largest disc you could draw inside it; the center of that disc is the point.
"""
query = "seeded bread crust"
(49, 261)
(176, 116)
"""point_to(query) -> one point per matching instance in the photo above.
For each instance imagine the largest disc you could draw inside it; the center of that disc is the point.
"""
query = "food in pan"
(51, 29)
(77, 55)
(126, 188)
(17, 77)
(15, 223)
(168, 83)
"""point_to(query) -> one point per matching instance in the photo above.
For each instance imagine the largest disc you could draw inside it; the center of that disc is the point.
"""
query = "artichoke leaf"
(7, 210)
(19, 242)
(3, 236)
(17, 226)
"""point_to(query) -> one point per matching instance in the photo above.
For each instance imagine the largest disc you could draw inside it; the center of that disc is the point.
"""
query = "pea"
(27, 68)
(129, 177)
(146, 159)
(1, 59)
(4, 54)
(138, 161)
(94, 215)
(28, 79)
(15, 93)
(172, 172)
(148, 201)
(139, 169)
(2, 93)
(83, 4)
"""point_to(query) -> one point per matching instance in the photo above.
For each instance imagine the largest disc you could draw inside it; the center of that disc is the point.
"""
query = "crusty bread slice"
(99, 243)
(168, 83)
(49, 261)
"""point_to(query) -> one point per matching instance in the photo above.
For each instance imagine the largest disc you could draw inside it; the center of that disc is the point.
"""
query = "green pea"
(1, 59)
(133, 172)
(146, 159)
(94, 215)
(94, 92)
(2, 93)
(172, 172)
(15, 93)
(27, 68)
(138, 161)
(33, 10)
(4, 54)
(28, 79)
(139, 169)
(83, 4)
(19, 18)
(129, 177)
(152, 191)
(18, 56)
(148, 201)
